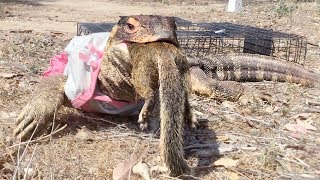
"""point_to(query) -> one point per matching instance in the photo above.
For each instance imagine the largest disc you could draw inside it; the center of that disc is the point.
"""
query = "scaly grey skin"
(215, 75)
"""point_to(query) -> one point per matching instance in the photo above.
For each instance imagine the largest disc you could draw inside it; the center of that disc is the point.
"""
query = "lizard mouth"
(127, 43)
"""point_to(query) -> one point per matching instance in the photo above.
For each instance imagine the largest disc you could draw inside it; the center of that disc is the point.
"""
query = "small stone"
(13, 114)
(82, 135)
(28, 173)
(4, 115)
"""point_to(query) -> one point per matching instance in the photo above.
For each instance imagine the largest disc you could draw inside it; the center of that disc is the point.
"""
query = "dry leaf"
(122, 170)
(313, 103)
(296, 128)
(223, 138)
(142, 169)
(81, 134)
(232, 175)
(8, 75)
(226, 162)
(8, 166)
(307, 124)
(213, 110)
(4, 115)
(160, 169)
(301, 126)
(301, 116)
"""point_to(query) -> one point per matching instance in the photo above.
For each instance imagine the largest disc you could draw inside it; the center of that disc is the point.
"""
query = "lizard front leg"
(36, 115)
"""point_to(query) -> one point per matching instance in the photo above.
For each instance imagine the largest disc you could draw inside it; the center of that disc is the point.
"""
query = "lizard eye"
(130, 26)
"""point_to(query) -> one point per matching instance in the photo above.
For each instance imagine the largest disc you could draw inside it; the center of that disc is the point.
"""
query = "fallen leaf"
(226, 162)
(9, 75)
(8, 166)
(307, 124)
(213, 111)
(301, 126)
(223, 138)
(295, 135)
(13, 114)
(227, 105)
(160, 169)
(296, 128)
(302, 116)
(20, 31)
(28, 173)
(313, 103)
(226, 148)
(82, 135)
(142, 169)
(122, 170)
(232, 175)
(4, 115)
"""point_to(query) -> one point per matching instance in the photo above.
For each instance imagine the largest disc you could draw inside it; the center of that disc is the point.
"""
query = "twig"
(32, 155)
(247, 118)
(189, 177)
(313, 44)
(9, 151)
(258, 137)
(53, 121)
(312, 110)
(99, 119)
(143, 137)
(299, 162)
(41, 138)
(236, 171)
(194, 146)
(313, 103)
(19, 159)
(169, 177)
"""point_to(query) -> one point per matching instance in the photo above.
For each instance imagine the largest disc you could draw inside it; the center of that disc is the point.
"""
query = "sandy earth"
(252, 133)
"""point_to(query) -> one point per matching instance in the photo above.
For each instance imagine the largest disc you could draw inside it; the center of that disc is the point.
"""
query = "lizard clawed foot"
(264, 97)
(27, 123)
(34, 118)
(251, 96)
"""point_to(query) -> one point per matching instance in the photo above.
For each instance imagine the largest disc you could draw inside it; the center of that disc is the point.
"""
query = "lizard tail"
(172, 92)
(251, 67)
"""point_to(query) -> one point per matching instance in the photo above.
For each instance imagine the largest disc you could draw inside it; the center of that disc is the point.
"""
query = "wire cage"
(201, 39)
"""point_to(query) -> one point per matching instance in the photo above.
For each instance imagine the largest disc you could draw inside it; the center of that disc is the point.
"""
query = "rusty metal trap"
(201, 39)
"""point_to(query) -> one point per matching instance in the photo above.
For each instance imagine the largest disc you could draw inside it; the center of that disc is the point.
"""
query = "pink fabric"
(86, 95)
(57, 66)
(114, 103)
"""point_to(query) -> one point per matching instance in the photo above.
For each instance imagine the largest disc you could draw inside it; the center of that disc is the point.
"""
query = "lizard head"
(146, 28)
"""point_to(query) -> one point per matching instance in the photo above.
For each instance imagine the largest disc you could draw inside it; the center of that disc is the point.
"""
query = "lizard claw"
(32, 116)
(26, 123)
(249, 96)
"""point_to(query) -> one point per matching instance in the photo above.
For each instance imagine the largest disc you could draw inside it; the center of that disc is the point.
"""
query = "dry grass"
(90, 146)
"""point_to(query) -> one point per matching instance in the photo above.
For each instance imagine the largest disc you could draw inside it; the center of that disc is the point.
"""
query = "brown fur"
(162, 66)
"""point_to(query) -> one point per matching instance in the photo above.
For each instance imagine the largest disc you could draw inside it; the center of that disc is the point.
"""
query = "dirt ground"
(254, 135)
